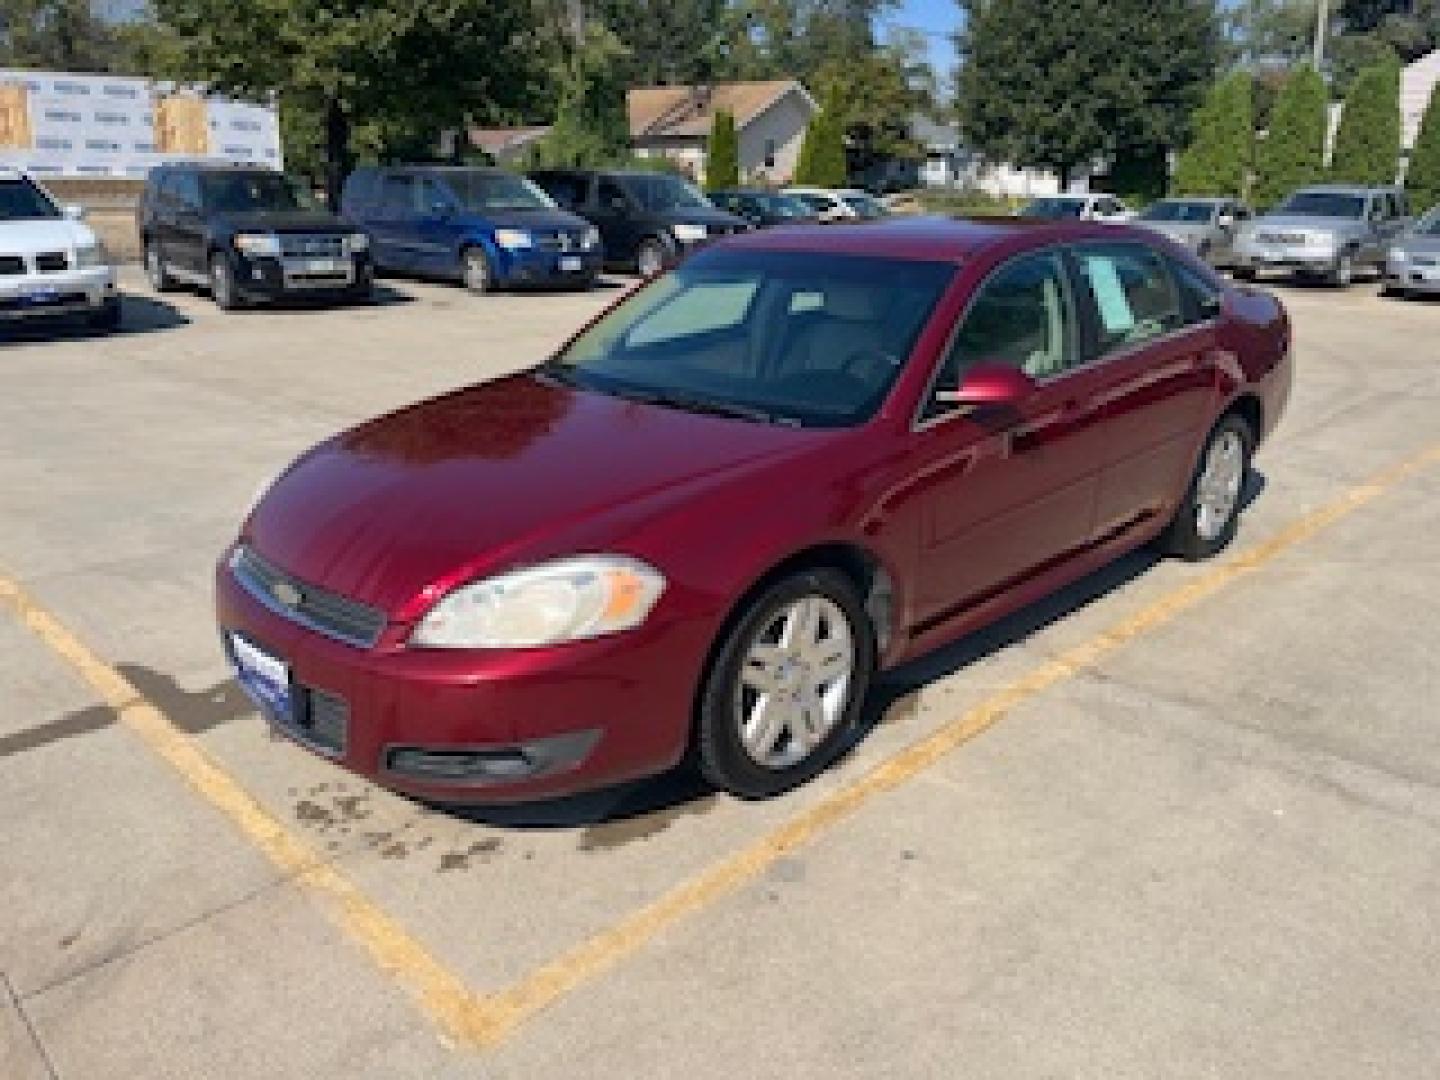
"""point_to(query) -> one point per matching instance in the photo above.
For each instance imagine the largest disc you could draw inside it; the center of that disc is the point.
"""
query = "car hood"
(49, 234)
(289, 221)
(488, 477)
(1308, 223)
(536, 220)
(1419, 245)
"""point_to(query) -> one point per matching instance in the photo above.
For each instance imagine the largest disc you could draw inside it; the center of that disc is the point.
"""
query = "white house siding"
(783, 124)
(1417, 83)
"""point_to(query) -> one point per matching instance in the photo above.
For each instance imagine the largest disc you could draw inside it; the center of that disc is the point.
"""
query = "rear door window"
(1132, 295)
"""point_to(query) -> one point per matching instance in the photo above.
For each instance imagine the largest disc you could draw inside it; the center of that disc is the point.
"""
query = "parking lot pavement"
(1178, 820)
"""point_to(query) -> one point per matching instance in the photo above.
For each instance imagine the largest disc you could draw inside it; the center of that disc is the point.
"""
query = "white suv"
(50, 262)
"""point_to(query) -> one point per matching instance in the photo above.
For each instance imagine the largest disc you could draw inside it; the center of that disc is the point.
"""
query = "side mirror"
(74, 213)
(990, 385)
(1226, 221)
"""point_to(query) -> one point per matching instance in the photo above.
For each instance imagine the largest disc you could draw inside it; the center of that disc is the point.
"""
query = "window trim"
(919, 422)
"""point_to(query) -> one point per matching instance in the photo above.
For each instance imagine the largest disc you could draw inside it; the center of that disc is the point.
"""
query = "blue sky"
(938, 19)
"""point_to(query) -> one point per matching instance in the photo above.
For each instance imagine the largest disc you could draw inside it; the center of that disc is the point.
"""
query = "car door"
(185, 244)
(1007, 493)
(438, 225)
(1155, 350)
(393, 222)
(613, 212)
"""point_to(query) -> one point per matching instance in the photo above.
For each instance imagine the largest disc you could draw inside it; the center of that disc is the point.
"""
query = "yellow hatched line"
(470, 1019)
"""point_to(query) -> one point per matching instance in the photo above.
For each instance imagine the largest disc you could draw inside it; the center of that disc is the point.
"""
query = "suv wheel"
(160, 279)
(651, 259)
(786, 689)
(1343, 272)
(222, 283)
(475, 269)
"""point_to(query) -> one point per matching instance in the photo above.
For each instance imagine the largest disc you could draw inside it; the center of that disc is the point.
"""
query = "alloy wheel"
(795, 682)
(651, 261)
(477, 272)
(1217, 493)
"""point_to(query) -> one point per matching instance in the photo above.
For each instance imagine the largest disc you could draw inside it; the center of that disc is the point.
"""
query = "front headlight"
(1397, 255)
(687, 233)
(358, 242)
(90, 256)
(258, 245)
(1321, 241)
(592, 239)
(514, 239)
(572, 599)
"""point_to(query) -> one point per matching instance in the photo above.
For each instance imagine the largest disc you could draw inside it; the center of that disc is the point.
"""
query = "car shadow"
(139, 314)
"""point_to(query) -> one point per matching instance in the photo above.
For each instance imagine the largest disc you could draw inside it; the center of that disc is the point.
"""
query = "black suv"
(247, 233)
(648, 221)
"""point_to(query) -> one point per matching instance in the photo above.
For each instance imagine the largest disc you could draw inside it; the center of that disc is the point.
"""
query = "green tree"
(592, 125)
(1293, 151)
(822, 155)
(392, 63)
(1367, 145)
(722, 168)
(1422, 180)
(58, 35)
(872, 97)
(1221, 150)
(1059, 86)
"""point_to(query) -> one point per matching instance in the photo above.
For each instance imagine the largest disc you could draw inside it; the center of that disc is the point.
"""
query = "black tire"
(222, 284)
(1243, 273)
(159, 277)
(476, 272)
(652, 259)
(1395, 292)
(1342, 272)
(107, 318)
(721, 754)
(1184, 537)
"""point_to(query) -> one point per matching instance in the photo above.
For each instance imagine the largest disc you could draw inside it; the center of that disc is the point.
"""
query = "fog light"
(462, 764)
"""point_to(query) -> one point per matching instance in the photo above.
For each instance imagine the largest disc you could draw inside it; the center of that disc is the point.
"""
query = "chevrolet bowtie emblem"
(287, 594)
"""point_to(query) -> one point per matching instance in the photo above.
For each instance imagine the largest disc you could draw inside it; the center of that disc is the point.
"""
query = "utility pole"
(1322, 26)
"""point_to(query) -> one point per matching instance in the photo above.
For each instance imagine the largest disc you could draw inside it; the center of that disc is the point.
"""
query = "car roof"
(1346, 189)
(1209, 200)
(929, 239)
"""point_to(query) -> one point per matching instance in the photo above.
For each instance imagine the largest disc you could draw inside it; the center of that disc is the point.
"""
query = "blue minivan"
(485, 227)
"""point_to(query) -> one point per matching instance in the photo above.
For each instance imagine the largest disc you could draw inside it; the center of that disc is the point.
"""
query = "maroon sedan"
(705, 524)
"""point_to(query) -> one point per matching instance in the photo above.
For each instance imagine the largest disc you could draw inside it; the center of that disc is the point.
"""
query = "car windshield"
(793, 338)
(864, 205)
(20, 200)
(1193, 213)
(1054, 208)
(251, 192)
(785, 206)
(1332, 204)
(817, 204)
(481, 191)
(660, 192)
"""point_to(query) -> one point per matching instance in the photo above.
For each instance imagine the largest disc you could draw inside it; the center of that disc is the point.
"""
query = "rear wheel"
(475, 269)
(1343, 272)
(1206, 520)
(787, 688)
(106, 317)
(159, 277)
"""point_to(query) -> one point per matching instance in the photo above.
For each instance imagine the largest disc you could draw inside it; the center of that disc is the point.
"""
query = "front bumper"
(537, 266)
(1413, 277)
(1294, 258)
(47, 295)
(269, 278)
(553, 721)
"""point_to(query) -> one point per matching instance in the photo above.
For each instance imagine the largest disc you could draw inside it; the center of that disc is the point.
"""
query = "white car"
(834, 205)
(1078, 208)
(50, 262)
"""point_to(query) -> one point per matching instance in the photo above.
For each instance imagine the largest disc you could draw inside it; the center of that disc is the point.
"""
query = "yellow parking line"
(476, 1020)
(507, 1010)
(441, 994)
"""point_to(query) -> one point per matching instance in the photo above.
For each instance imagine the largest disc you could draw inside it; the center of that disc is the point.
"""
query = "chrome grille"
(324, 612)
(1283, 238)
(312, 247)
(51, 262)
(11, 265)
(1426, 260)
(563, 242)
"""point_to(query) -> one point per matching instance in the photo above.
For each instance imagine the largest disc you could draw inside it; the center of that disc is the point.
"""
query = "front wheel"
(1343, 272)
(787, 688)
(651, 259)
(476, 272)
(1206, 520)
(222, 283)
(155, 271)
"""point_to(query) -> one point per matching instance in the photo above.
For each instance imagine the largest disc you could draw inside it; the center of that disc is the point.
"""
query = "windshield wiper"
(670, 399)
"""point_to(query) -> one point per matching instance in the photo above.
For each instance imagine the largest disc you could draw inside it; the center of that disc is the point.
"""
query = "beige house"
(770, 120)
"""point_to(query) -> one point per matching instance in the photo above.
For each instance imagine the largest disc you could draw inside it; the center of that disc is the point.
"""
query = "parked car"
(1099, 207)
(1412, 264)
(51, 264)
(765, 209)
(1207, 226)
(1330, 232)
(706, 523)
(247, 234)
(840, 204)
(648, 221)
(485, 227)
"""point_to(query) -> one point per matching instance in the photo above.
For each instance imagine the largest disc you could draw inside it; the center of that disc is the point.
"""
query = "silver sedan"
(1412, 265)
(1204, 225)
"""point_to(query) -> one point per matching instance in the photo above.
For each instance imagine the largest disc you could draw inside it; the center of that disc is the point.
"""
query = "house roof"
(669, 112)
(495, 141)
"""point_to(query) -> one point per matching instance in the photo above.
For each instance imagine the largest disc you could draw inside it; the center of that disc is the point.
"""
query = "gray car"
(1413, 263)
(1330, 232)
(1207, 226)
